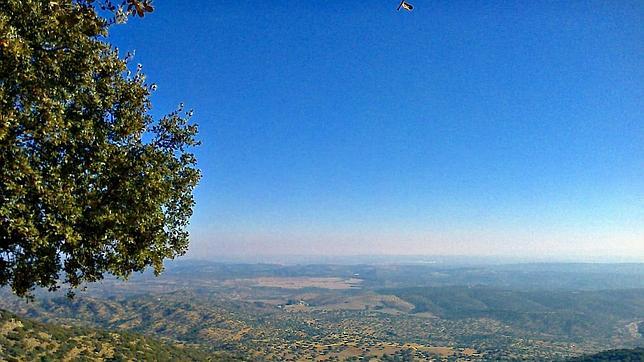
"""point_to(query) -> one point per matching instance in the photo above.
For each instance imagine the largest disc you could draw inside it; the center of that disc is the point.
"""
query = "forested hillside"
(622, 355)
(340, 312)
(22, 339)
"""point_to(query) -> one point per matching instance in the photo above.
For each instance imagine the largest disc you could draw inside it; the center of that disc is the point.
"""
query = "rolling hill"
(22, 339)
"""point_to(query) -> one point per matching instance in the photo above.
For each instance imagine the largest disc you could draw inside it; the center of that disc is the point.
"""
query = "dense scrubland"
(340, 312)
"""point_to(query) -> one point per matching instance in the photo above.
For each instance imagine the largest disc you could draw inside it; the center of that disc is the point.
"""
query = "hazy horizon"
(395, 259)
(381, 181)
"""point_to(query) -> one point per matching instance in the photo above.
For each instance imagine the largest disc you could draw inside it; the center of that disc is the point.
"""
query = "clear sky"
(511, 128)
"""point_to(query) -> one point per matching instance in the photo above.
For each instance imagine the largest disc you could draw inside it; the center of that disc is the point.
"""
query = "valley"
(364, 312)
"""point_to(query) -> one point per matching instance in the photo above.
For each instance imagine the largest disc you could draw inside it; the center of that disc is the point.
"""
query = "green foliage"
(89, 182)
(402, 356)
(234, 315)
(625, 355)
(25, 340)
(570, 314)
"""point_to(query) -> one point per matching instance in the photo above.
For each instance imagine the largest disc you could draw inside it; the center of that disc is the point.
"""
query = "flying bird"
(405, 5)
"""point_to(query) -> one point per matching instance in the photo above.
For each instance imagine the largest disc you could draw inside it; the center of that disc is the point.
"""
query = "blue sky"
(461, 128)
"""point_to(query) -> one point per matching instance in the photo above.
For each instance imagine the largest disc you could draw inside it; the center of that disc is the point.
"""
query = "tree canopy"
(90, 183)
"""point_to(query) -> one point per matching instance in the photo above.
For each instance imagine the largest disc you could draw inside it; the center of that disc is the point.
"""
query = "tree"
(90, 183)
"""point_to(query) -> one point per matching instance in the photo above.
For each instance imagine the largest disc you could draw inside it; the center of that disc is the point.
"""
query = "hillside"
(574, 315)
(26, 340)
(343, 312)
(624, 355)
